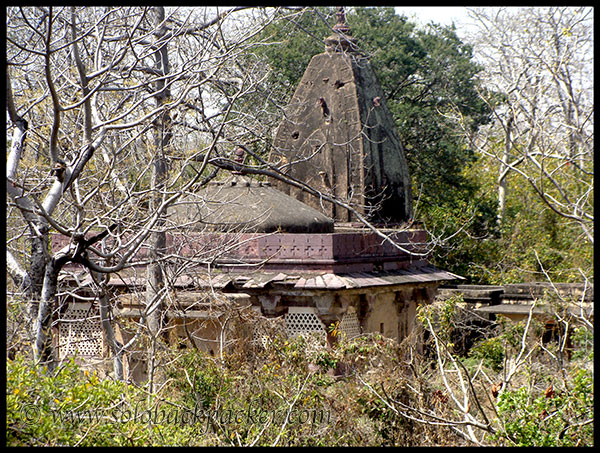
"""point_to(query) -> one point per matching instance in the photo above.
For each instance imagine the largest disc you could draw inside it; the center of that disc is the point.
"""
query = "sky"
(443, 15)
(440, 14)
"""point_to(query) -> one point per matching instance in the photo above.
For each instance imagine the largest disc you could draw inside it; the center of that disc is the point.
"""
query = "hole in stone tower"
(324, 107)
(338, 84)
(295, 135)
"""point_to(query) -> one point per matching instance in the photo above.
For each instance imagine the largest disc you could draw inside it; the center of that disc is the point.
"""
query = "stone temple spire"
(339, 137)
(341, 40)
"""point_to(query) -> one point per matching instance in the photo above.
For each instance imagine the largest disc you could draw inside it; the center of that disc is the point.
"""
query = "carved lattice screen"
(349, 325)
(303, 321)
(79, 331)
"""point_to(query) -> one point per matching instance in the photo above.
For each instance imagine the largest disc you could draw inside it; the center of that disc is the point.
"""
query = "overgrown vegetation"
(363, 391)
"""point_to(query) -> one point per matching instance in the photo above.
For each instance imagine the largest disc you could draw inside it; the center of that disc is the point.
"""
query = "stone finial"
(341, 40)
(239, 157)
(341, 25)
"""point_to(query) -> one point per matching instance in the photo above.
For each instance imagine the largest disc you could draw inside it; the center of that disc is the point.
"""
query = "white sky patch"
(443, 15)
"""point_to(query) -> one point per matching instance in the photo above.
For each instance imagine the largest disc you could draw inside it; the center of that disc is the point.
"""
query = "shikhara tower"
(339, 137)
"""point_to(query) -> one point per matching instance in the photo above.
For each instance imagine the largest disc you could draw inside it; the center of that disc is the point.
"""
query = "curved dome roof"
(240, 204)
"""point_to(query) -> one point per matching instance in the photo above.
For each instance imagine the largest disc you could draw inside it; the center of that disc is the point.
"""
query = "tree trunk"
(155, 277)
(502, 183)
(30, 280)
(44, 353)
(37, 271)
(115, 346)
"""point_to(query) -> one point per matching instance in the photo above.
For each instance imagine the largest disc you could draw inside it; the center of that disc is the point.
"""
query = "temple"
(281, 252)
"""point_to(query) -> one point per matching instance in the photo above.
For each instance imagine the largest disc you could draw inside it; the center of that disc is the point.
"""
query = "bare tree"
(538, 76)
(98, 100)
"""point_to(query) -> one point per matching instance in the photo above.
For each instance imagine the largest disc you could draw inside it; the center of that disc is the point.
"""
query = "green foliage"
(536, 239)
(551, 419)
(491, 351)
(532, 242)
(543, 400)
(300, 392)
(253, 397)
(287, 394)
(441, 315)
(76, 407)
(504, 340)
(289, 60)
(583, 344)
